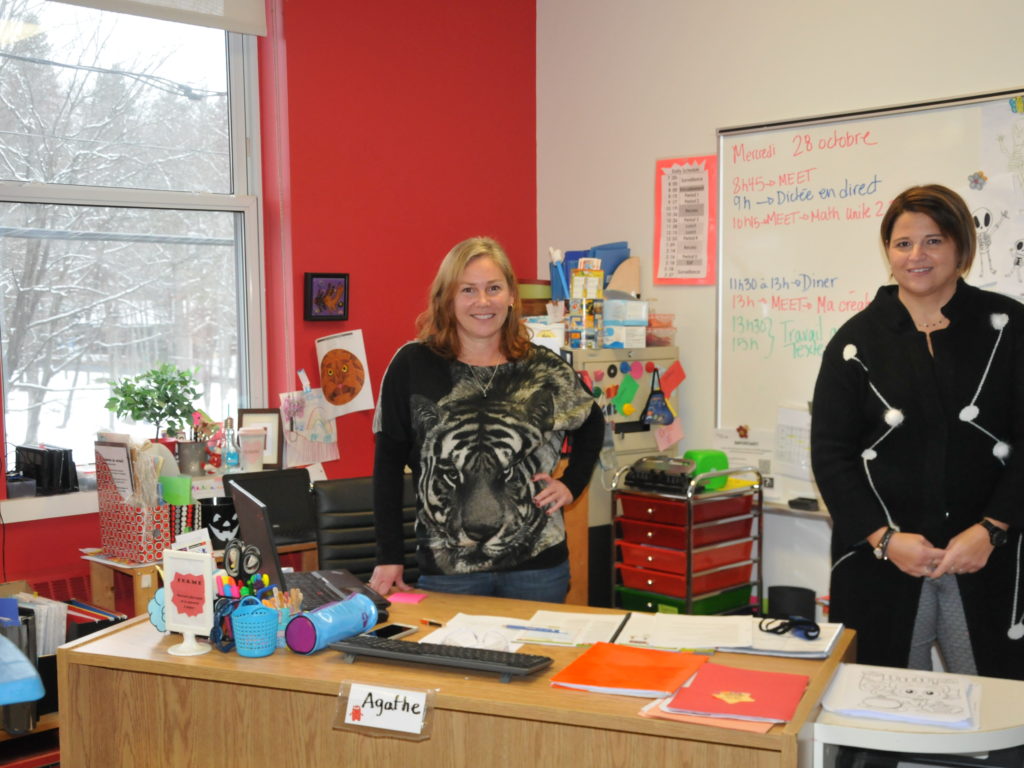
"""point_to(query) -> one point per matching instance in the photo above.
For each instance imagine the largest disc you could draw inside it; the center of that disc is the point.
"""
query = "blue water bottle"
(310, 631)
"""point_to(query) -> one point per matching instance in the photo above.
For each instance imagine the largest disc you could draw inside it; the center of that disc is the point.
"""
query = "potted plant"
(163, 397)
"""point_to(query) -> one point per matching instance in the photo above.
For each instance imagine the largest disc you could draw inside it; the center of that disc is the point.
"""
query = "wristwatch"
(881, 551)
(996, 535)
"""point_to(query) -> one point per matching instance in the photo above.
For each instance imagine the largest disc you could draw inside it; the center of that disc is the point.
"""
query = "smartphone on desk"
(392, 631)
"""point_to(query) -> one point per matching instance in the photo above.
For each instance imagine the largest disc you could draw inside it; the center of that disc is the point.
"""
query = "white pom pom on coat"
(999, 320)
(969, 412)
(849, 351)
(894, 417)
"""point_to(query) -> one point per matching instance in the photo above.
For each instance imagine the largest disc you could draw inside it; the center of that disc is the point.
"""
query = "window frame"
(245, 199)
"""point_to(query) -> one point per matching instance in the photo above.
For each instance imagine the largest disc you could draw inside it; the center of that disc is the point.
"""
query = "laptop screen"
(254, 528)
(288, 500)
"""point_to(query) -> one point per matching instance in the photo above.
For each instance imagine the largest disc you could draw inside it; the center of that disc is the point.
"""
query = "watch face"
(996, 535)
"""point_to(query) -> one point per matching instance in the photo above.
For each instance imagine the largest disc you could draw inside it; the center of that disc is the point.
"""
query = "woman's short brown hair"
(437, 327)
(943, 206)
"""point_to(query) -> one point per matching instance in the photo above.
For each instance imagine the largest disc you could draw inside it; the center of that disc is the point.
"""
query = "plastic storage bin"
(674, 560)
(675, 584)
(735, 600)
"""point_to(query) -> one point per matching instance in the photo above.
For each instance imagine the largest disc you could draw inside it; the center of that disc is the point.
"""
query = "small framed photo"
(326, 296)
(270, 420)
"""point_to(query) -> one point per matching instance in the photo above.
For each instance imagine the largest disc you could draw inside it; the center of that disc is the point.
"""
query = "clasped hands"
(966, 552)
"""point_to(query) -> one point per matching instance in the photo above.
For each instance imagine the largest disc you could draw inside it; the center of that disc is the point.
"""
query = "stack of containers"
(652, 553)
(586, 300)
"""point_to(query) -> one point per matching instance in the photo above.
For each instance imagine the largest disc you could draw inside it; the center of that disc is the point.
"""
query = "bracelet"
(884, 543)
(882, 550)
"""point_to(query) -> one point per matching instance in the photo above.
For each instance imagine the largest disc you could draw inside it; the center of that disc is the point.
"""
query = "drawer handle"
(650, 558)
(650, 510)
(650, 582)
(650, 534)
(650, 605)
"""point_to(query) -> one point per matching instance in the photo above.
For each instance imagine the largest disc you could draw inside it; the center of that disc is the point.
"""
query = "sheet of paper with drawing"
(906, 695)
(471, 631)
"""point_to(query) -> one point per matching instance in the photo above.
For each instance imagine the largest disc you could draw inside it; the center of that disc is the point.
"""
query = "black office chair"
(345, 534)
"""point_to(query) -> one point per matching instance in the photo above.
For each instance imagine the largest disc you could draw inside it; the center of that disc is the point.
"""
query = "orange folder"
(745, 694)
(629, 671)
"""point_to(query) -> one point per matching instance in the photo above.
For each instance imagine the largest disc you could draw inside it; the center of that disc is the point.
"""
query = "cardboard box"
(624, 336)
(136, 533)
(625, 312)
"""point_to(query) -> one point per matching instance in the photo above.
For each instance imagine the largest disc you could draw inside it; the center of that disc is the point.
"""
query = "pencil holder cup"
(254, 627)
(310, 631)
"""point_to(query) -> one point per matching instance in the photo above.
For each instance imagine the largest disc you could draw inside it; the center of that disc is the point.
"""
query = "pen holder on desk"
(254, 627)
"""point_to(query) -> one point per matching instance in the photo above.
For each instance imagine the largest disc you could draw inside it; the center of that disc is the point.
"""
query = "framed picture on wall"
(270, 420)
(326, 296)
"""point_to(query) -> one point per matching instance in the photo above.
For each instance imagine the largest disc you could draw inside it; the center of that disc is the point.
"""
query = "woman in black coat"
(917, 446)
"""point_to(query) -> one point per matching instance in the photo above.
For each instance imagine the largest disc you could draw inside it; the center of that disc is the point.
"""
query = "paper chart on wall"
(310, 431)
(344, 377)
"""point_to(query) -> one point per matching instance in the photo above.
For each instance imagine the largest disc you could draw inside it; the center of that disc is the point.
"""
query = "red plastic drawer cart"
(689, 549)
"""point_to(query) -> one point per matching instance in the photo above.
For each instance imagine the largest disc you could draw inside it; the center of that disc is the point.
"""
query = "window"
(128, 217)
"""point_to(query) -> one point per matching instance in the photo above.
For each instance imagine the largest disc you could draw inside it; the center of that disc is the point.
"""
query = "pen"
(535, 629)
(431, 623)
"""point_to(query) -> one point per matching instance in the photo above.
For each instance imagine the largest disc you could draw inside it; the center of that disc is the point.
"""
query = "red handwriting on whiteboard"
(837, 139)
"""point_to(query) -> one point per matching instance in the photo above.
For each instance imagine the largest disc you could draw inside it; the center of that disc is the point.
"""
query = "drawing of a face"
(341, 376)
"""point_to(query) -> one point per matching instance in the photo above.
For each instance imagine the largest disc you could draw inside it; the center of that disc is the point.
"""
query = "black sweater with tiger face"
(473, 438)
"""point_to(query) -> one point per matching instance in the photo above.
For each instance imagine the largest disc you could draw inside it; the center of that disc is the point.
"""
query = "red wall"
(412, 127)
(408, 126)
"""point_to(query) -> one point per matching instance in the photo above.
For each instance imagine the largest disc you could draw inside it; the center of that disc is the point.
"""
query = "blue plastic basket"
(254, 627)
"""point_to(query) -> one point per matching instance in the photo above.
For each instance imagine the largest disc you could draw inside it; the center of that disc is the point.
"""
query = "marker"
(535, 629)
(431, 623)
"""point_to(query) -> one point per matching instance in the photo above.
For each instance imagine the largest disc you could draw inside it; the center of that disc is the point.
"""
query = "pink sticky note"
(406, 597)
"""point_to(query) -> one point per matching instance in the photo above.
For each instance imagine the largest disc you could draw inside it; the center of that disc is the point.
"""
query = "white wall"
(622, 83)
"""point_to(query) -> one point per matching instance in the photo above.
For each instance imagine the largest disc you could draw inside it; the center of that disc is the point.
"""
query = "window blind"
(246, 16)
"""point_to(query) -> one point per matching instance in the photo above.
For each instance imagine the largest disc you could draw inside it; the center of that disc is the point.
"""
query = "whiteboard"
(799, 249)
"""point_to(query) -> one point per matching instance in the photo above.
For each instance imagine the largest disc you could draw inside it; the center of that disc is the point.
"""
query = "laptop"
(288, 497)
(317, 587)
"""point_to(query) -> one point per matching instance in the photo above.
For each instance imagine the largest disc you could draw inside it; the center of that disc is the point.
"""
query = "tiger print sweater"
(473, 437)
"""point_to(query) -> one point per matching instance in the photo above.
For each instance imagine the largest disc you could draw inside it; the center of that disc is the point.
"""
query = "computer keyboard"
(505, 663)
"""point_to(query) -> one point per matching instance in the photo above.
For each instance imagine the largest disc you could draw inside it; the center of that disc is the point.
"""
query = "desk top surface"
(137, 646)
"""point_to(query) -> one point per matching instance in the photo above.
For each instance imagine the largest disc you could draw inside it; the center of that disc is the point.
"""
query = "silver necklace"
(484, 388)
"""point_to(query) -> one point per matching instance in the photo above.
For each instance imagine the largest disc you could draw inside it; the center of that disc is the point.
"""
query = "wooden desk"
(145, 581)
(124, 701)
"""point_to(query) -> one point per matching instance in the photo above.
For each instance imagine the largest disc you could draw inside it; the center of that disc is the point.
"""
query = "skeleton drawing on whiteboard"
(983, 223)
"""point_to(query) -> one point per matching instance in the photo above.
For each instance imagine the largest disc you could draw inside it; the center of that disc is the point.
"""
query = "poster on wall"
(310, 431)
(685, 220)
(344, 378)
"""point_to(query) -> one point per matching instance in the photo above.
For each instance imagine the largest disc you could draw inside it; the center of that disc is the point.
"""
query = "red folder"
(745, 694)
(629, 671)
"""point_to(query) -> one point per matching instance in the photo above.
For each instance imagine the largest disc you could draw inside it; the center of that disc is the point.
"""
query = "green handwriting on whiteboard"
(753, 334)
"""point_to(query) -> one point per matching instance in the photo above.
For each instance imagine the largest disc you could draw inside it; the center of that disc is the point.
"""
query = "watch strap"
(882, 550)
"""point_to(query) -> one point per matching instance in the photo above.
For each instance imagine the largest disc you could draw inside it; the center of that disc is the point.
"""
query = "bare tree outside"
(92, 292)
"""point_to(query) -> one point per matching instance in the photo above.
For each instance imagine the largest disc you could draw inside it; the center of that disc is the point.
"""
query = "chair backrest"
(345, 534)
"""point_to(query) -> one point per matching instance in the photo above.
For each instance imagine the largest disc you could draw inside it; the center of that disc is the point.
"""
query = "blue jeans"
(549, 585)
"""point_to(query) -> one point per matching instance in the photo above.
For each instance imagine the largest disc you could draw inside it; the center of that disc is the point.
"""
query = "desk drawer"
(675, 584)
(674, 560)
(674, 536)
(670, 512)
